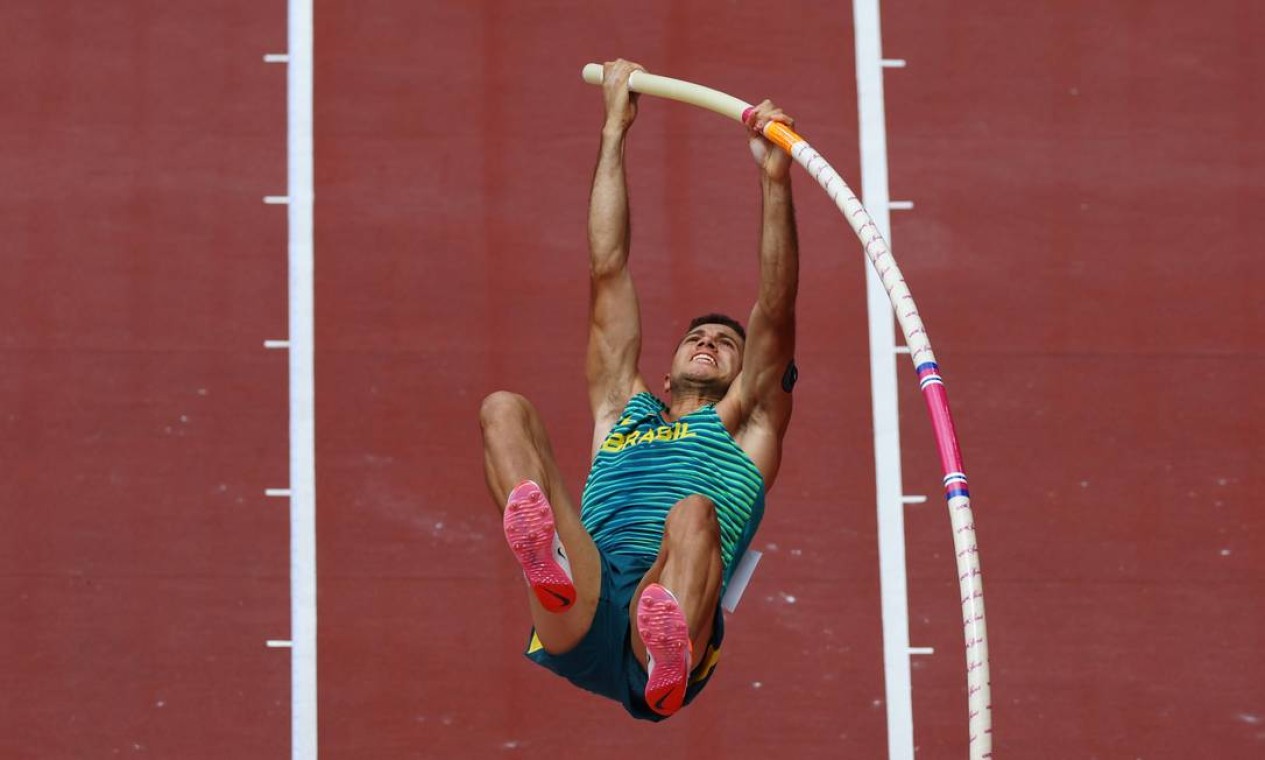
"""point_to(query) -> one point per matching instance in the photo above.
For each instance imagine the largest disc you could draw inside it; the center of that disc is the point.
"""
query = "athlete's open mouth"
(705, 358)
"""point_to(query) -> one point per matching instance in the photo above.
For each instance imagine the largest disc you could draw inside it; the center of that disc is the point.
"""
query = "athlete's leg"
(688, 565)
(516, 448)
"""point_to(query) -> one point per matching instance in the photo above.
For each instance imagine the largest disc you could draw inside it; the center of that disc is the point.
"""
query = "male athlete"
(626, 591)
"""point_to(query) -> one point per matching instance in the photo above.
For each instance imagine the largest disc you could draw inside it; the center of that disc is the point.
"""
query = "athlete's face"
(709, 355)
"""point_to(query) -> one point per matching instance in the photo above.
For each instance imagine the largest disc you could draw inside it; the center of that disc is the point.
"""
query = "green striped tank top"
(646, 465)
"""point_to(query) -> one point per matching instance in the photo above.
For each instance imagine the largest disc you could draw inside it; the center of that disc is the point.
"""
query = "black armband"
(790, 376)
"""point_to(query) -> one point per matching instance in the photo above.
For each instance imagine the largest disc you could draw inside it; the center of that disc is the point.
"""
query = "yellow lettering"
(665, 433)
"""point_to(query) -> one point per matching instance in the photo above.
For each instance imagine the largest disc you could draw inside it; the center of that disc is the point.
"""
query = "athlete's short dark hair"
(718, 319)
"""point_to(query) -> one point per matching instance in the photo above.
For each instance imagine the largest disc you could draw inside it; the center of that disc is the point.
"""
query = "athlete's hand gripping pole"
(955, 485)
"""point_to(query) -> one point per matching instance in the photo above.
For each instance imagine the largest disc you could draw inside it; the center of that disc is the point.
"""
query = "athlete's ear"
(667, 383)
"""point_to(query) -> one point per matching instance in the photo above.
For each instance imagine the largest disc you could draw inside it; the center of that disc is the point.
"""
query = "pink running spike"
(529, 529)
(662, 626)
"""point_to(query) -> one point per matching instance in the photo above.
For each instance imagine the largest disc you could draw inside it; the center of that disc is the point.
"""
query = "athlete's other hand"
(621, 103)
(775, 162)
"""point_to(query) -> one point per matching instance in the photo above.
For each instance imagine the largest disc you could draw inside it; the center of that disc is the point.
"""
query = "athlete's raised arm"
(762, 393)
(614, 316)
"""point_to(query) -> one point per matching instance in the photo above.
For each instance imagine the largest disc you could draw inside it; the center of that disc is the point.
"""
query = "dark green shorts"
(603, 662)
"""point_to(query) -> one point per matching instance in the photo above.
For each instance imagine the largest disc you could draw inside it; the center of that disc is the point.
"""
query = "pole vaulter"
(979, 700)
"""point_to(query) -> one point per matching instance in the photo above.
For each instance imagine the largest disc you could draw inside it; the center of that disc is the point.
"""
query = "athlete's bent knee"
(693, 516)
(501, 406)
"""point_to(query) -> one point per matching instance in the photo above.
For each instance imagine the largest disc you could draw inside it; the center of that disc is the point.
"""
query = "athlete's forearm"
(779, 251)
(609, 229)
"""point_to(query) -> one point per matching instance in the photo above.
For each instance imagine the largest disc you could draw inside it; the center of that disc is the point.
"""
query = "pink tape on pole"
(942, 422)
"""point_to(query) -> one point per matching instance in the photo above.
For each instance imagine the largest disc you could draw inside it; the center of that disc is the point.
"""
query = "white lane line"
(893, 63)
(299, 143)
(279, 493)
(894, 599)
(277, 200)
(914, 499)
(922, 650)
(901, 205)
(901, 350)
(276, 344)
(278, 644)
(276, 58)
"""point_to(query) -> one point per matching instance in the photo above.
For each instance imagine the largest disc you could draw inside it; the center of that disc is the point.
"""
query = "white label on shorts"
(741, 577)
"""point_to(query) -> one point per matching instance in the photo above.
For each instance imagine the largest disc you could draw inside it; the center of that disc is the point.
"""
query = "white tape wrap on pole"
(931, 383)
(675, 89)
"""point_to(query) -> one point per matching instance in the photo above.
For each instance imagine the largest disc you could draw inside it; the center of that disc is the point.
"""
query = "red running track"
(141, 567)
(1082, 249)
